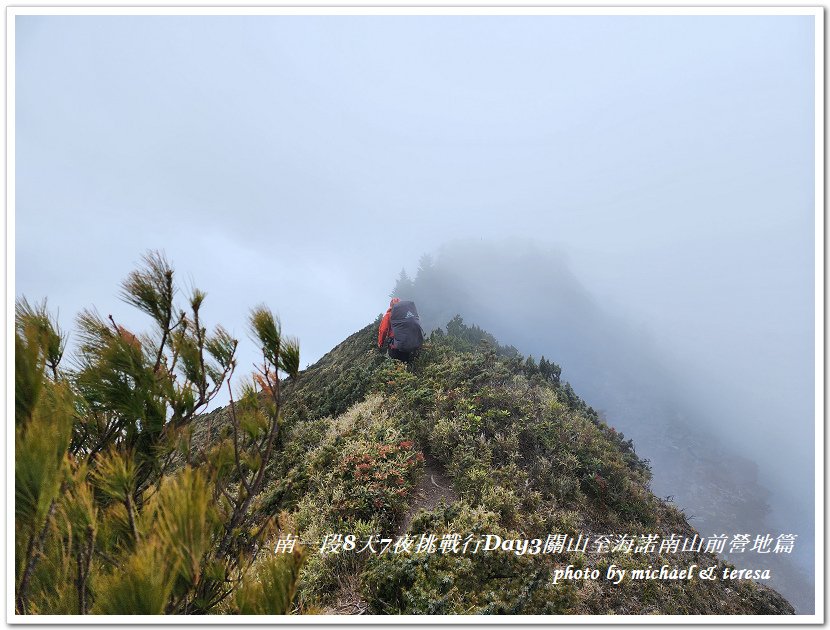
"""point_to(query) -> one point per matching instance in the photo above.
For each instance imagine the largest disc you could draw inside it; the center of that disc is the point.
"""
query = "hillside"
(471, 440)
(688, 419)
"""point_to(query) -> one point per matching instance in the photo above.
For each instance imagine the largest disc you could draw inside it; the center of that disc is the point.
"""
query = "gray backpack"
(406, 327)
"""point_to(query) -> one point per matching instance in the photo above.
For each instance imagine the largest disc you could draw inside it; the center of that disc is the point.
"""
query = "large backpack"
(406, 327)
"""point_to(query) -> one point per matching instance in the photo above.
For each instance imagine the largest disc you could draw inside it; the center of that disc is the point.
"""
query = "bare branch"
(235, 423)
(32, 553)
(168, 315)
(128, 503)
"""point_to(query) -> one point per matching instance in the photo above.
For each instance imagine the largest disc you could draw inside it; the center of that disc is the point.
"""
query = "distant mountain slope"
(527, 295)
(513, 452)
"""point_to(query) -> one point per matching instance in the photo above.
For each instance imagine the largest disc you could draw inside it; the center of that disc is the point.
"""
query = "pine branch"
(33, 550)
(168, 316)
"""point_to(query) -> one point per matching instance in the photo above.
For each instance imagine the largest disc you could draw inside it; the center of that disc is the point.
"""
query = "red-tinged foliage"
(379, 479)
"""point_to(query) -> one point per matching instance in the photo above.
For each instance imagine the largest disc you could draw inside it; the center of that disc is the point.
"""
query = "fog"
(716, 449)
(632, 196)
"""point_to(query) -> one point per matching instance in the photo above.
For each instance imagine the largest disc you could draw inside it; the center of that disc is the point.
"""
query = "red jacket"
(386, 324)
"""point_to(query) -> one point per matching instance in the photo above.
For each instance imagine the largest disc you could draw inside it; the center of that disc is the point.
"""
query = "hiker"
(400, 330)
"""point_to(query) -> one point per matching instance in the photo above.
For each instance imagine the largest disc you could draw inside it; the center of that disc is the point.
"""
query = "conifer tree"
(404, 286)
(124, 502)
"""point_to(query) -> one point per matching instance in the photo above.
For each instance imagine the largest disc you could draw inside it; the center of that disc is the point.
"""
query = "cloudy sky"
(303, 161)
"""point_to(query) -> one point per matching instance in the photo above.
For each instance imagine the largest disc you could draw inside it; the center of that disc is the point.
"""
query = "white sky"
(302, 161)
(305, 160)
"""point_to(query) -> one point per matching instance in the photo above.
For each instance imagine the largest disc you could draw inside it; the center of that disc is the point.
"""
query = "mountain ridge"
(527, 459)
(696, 431)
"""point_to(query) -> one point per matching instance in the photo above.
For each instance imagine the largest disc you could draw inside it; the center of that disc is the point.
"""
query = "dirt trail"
(434, 486)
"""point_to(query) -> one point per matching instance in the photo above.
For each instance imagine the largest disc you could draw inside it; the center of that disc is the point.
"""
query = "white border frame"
(465, 10)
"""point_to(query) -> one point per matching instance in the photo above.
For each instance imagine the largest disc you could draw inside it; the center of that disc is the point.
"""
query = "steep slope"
(518, 455)
(695, 423)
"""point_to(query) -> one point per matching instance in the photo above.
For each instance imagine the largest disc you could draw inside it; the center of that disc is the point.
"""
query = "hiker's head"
(393, 301)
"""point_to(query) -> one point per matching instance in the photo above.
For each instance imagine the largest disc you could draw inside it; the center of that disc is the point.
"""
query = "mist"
(710, 421)
(656, 175)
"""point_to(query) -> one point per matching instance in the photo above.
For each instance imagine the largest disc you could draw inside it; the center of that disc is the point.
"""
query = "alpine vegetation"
(116, 509)
(460, 478)
(472, 480)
